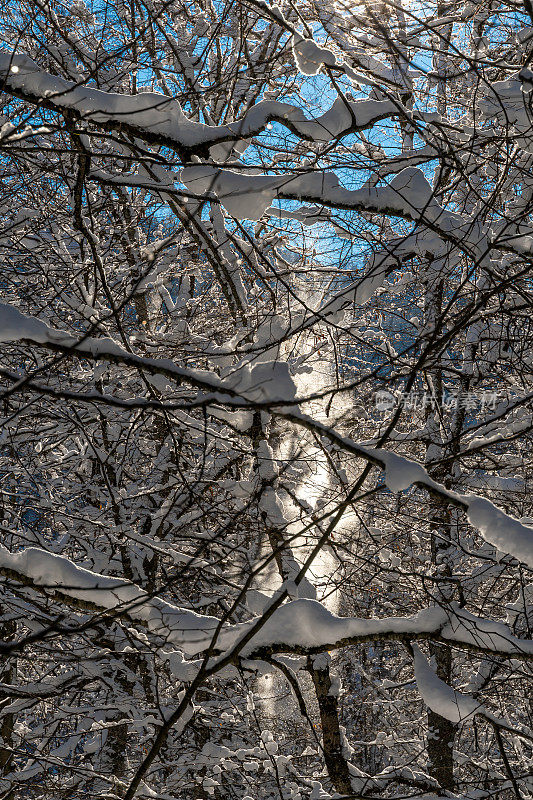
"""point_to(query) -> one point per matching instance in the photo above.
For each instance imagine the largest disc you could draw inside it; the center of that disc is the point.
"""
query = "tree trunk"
(441, 732)
(336, 763)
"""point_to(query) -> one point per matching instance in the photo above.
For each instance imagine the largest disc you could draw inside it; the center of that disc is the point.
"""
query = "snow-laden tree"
(266, 400)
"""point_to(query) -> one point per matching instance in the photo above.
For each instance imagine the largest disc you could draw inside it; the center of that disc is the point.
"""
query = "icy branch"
(160, 119)
(299, 626)
(271, 383)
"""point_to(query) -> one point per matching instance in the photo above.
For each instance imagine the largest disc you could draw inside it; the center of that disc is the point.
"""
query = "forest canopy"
(266, 384)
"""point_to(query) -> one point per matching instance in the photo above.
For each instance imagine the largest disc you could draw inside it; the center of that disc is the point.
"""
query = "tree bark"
(336, 763)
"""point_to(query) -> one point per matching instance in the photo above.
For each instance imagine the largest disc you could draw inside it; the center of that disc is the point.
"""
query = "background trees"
(228, 569)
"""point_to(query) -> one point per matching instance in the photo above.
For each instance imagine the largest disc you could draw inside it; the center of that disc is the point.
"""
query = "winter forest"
(266, 399)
